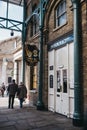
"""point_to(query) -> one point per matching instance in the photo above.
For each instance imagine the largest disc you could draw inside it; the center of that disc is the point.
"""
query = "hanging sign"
(31, 54)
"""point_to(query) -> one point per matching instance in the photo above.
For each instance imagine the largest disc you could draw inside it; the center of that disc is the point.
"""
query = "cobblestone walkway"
(28, 118)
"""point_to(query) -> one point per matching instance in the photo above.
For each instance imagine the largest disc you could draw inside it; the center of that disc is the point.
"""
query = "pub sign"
(31, 54)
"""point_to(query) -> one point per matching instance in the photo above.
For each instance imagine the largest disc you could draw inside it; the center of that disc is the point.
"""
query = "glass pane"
(58, 81)
(3, 9)
(62, 19)
(65, 81)
(51, 81)
(59, 11)
(57, 22)
(15, 12)
(61, 7)
(61, 14)
(64, 6)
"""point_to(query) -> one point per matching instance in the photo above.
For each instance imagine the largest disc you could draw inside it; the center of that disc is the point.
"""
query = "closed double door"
(61, 89)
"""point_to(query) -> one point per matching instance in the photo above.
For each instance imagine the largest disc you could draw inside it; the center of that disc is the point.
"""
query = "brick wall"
(84, 51)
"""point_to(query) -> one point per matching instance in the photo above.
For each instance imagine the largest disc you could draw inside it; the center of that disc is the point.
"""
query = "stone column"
(16, 71)
(4, 70)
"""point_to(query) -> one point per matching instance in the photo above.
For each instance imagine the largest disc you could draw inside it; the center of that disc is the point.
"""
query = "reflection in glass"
(65, 81)
(58, 81)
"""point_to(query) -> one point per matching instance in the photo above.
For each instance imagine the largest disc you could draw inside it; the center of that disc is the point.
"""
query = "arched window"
(61, 13)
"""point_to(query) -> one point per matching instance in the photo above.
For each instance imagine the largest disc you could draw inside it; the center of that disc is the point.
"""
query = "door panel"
(64, 93)
(51, 81)
(62, 85)
(61, 95)
(60, 80)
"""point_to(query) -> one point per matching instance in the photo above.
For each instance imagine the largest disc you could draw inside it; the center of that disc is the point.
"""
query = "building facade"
(59, 91)
(54, 43)
(60, 59)
(10, 60)
(58, 76)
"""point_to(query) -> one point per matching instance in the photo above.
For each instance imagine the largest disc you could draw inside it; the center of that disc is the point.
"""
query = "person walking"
(22, 93)
(12, 90)
(2, 89)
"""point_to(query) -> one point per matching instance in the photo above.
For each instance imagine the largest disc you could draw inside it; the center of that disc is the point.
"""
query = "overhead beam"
(13, 23)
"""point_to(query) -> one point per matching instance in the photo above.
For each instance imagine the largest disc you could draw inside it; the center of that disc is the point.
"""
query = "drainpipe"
(77, 116)
(23, 42)
(40, 105)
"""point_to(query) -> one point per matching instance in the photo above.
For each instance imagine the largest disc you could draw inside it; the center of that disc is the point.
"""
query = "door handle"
(60, 88)
(58, 95)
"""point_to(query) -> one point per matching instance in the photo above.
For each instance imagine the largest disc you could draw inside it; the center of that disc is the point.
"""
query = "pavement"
(29, 118)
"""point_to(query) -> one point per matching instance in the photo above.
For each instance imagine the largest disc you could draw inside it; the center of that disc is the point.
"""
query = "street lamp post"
(23, 42)
(77, 117)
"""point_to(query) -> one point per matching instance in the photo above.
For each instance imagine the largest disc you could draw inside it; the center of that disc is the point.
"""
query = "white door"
(62, 84)
(61, 92)
(60, 80)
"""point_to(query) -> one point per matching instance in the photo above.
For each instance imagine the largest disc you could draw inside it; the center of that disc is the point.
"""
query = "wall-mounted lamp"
(12, 33)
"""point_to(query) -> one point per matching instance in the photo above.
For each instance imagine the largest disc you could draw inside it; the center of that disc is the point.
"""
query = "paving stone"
(29, 118)
(8, 128)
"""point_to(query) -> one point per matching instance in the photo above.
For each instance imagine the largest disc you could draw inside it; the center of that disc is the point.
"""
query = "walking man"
(12, 89)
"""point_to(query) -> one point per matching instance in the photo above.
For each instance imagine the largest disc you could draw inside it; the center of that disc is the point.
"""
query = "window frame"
(34, 24)
(58, 17)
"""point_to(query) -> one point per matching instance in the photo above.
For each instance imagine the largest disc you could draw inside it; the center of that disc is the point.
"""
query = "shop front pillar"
(77, 116)
(40, 105)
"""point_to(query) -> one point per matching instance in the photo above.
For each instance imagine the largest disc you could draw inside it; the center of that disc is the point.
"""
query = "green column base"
(40, 106)
(78, 122)
(78, 119)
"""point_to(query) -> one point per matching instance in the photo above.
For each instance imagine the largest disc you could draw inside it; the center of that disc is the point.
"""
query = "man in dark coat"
(12, 89)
